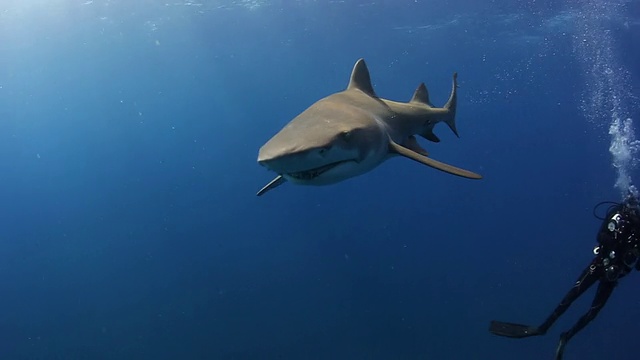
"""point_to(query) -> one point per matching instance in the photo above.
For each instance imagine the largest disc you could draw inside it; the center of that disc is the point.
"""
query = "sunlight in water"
(607, 96)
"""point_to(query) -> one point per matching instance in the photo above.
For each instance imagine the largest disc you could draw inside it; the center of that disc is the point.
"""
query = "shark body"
(349, 133)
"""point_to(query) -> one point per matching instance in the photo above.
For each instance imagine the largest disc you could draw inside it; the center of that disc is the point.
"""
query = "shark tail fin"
(451, 105)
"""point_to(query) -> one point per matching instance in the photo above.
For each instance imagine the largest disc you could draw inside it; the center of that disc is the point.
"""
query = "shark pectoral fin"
(400, 150)
(279, 180)
(412, 144)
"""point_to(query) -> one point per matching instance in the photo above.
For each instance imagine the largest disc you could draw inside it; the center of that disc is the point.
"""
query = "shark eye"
(323, 150)
(346, 135)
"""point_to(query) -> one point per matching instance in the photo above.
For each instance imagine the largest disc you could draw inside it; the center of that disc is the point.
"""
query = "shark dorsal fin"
(421, 95)
(360, 79)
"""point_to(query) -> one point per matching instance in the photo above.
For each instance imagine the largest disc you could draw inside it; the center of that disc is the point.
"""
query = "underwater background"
(130, 228)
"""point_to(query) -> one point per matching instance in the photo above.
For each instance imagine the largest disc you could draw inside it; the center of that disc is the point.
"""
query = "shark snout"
(269, 154)
(292, 160)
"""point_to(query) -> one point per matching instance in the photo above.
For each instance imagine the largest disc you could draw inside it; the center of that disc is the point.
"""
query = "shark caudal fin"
(451, 106)
(421, 96)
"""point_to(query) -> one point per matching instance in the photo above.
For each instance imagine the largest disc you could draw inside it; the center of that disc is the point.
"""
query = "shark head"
(327, 143)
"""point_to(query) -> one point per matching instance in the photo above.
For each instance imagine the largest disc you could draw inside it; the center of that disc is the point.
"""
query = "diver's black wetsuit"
(617, 253)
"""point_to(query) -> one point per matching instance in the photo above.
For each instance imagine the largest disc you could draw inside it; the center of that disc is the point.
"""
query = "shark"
(351, 132)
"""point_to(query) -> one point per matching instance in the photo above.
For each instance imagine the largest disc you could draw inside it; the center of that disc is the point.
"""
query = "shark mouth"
(314, 173)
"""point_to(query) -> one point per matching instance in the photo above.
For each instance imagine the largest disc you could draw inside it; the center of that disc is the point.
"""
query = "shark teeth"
(313, 173)
(305, 175)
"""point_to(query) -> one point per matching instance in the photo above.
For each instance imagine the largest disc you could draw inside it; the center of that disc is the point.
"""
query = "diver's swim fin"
(513, 330)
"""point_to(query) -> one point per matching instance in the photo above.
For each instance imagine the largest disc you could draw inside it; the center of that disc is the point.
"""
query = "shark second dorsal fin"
(360, 79)
(421, 96)
(403, 151)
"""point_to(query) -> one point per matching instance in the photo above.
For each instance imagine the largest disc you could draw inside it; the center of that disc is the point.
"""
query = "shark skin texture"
(351, 132)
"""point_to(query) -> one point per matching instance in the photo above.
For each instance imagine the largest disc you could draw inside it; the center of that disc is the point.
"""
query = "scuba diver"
(616, 255)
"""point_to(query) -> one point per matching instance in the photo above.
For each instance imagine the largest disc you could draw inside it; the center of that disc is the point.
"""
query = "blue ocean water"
(130, 229)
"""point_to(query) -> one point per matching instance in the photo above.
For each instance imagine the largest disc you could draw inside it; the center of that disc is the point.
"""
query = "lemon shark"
(349, 133)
